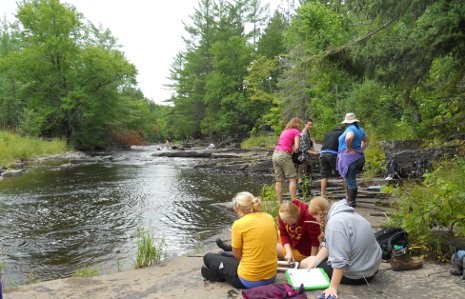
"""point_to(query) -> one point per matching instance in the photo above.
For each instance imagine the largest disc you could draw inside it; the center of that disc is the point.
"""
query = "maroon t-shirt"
(301, 236)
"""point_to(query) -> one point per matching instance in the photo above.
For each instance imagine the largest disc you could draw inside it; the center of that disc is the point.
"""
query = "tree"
(66, 78)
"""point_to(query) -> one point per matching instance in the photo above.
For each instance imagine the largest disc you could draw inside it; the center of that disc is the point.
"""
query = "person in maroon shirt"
(299, 232)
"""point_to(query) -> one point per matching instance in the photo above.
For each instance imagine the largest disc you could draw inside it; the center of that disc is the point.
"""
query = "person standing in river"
(328, 157)
(289, 142)
(350, 157)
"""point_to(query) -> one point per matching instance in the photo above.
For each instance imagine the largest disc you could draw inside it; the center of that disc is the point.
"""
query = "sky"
(149, 31)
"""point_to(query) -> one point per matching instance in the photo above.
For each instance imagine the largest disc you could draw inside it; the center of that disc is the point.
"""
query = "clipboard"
(315, 279)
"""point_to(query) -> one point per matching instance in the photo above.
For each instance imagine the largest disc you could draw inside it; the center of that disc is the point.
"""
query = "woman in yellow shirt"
(253, 241)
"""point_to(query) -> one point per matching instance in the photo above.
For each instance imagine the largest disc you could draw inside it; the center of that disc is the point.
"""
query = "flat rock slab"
(180, 278)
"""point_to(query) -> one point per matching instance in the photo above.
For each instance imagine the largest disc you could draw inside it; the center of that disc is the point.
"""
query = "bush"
(433, 212)
(375, 160)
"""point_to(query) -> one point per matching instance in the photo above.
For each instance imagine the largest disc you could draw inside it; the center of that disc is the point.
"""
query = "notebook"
(315, 279)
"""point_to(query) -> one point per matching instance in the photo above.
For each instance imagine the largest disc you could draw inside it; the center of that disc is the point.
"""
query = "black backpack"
(388, 237)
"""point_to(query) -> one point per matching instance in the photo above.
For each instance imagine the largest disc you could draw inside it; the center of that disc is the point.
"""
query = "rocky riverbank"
(180, 277)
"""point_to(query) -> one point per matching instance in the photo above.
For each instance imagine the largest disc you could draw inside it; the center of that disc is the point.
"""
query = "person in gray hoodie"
(349, 252)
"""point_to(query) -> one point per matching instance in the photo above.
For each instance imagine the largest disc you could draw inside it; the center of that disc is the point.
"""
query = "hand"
(351, 151)
(309, 262)
(289, 257)
(330, 292)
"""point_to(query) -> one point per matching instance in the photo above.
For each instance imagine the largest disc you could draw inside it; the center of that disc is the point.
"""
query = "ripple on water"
(55, 220)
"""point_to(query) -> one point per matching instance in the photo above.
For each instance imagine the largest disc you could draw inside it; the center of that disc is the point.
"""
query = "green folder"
(315, 279)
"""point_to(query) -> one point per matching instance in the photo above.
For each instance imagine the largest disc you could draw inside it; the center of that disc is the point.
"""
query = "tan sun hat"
(350, 118)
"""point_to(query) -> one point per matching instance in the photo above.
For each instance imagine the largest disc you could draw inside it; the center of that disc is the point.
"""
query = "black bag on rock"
(388, 237)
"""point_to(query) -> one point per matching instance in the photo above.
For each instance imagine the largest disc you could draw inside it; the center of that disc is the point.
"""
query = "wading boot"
(352, 197)
(400, 261)
(457, 266)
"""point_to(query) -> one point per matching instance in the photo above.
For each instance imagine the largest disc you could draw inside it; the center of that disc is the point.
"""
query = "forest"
(398, 65)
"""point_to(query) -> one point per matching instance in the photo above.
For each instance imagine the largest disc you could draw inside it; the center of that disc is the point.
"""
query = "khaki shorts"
(283, 166)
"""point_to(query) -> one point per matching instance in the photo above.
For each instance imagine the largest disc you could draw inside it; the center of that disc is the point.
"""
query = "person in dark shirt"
(328, 156)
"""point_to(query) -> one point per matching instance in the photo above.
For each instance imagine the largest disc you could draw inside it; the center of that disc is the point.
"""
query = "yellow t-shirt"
(257, 235)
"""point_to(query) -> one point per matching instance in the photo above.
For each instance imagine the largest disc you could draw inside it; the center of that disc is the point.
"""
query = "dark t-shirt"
(330, 143)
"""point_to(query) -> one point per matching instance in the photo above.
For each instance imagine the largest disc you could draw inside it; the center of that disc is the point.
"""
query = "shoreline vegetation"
(15, 149)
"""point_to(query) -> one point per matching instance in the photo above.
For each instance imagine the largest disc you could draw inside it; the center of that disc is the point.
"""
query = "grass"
(14, 147)
(265, 141)
(149, 249)
(86, 272)
(269, 201)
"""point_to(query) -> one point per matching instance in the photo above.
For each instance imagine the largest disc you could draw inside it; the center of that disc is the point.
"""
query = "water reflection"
(55, 220)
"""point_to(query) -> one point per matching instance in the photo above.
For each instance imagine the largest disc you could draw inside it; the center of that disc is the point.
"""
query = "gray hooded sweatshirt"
(351, 242)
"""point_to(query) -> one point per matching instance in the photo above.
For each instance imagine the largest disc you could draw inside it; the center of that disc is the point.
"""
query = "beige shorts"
(283, 166)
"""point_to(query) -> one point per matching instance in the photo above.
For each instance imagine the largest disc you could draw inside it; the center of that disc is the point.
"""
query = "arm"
(285, 240)
(289, 256)
(313, 153)
(364, 142)
(314, 250)
(349, 139)
(335, 282)
(237, 252)
(315, 260)
(296, 144)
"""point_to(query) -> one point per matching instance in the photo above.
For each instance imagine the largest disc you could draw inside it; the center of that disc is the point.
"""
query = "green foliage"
(398, 66)
(68, 79)
(432, 212)
(264, 141)
(305, 192)
(86, 272)
(270, 201)
(375, 160)
(149, 249)
(14, 147)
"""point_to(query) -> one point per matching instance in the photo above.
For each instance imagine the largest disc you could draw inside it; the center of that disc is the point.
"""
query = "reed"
(149, 249)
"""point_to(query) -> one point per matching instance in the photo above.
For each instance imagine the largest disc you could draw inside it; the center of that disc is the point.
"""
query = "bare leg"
(293, 188)
(324, 184)
(345, 187)
(278, 188)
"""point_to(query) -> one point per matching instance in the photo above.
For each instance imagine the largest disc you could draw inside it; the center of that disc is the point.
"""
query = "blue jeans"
(351, 174)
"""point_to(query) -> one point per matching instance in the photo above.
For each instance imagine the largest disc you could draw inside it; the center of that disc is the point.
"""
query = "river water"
(62, 216)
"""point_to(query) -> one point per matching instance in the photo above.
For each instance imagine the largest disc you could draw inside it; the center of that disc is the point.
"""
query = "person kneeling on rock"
(253, 239)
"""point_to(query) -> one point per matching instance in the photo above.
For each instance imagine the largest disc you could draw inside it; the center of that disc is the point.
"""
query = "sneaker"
(210, 274)
(400, 261)
(222, 245)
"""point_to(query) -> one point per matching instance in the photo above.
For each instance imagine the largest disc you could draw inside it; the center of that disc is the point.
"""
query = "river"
(62, 216)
